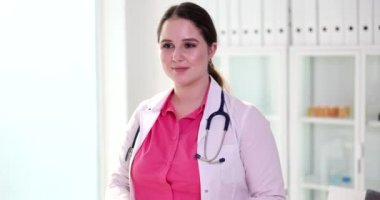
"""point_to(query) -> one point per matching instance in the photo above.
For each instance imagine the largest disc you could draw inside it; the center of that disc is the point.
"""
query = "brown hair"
(202, 20)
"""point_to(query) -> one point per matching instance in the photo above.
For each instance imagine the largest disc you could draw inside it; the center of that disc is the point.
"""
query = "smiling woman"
(181, 147)
(185, 54)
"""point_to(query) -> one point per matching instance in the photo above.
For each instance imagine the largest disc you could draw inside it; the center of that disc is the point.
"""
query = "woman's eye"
(190, 45)
(167, 46)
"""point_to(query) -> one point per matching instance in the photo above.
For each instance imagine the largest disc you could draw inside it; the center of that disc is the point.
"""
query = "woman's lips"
(179, 69)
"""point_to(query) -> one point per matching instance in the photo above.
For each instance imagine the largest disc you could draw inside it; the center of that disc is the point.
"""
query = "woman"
(174, 156)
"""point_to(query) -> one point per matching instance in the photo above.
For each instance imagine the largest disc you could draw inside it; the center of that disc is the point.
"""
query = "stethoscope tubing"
(212, 160)
(226, 116)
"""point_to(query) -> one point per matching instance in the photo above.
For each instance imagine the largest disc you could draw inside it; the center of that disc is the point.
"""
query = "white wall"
(113, 83)
(48, 100)
(144, 69)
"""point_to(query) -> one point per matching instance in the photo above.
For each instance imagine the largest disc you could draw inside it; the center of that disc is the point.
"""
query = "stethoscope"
(212, 160)
(220, 111)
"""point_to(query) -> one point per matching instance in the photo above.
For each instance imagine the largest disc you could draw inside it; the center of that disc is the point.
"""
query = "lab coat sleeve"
(118, 187)
(260, 157)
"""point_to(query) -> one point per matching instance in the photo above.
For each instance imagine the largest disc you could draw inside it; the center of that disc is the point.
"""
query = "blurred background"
(72, 72)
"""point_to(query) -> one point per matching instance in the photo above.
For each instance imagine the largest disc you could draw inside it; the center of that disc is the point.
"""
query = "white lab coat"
(251, 169)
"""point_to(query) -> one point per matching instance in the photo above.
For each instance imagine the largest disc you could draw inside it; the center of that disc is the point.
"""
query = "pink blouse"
(165, 167)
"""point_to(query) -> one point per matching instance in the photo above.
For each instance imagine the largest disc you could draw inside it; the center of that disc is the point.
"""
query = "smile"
(179, 69)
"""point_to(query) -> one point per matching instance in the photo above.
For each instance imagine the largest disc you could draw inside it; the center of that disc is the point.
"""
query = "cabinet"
(259, 76)
(333, 124)
(371, 119)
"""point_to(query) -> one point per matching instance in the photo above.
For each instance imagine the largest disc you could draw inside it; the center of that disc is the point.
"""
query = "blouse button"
(206, 191)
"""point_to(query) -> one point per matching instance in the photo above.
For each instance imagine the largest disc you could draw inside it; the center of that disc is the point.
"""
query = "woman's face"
(184, 52)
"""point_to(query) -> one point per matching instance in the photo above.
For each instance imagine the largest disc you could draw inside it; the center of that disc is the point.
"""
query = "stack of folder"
(309, 22)
(335, 22)
(250, 22)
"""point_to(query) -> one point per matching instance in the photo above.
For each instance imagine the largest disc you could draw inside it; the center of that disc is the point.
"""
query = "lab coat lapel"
(149, 116)
(212, 105)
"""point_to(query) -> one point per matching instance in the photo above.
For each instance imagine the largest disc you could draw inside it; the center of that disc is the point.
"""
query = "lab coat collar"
(213, 99)
(155, 104)
(212, 103)
(153, 108)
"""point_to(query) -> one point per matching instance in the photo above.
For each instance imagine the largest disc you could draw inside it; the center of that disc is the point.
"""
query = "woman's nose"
(177, 55)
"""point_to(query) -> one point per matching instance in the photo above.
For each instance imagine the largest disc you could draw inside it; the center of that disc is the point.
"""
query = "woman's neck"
(187, 98)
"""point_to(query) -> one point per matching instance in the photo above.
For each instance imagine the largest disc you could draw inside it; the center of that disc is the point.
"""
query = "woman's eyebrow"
(184, 40)
(190, 40)
(165, 40)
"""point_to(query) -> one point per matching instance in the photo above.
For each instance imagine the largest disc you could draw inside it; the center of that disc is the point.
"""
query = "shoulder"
(250, 125)
(244, 112)
(243, 107)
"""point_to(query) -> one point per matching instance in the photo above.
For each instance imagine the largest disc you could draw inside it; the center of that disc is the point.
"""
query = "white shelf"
(313, 186)
(328, 121)
(374, 124)
(313, 182)
(252, 51)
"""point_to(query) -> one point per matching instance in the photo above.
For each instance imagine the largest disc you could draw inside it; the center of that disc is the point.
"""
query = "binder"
(366, 22)
(335, 15)
(310, 21)
(251, 22)
(281, 18)
(234, 23)
(298, 21)
(304, 20)
(324, 27)
(269, 22)
(350, 22)
(376, 23)
(222, 10)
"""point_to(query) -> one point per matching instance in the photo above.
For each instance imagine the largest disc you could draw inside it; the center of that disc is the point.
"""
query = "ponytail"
(216, 75)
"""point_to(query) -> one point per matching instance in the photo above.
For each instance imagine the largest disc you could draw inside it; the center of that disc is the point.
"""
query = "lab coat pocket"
(230, 171)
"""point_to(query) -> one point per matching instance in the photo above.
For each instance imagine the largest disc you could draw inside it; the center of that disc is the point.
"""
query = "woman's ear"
(211, 50)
